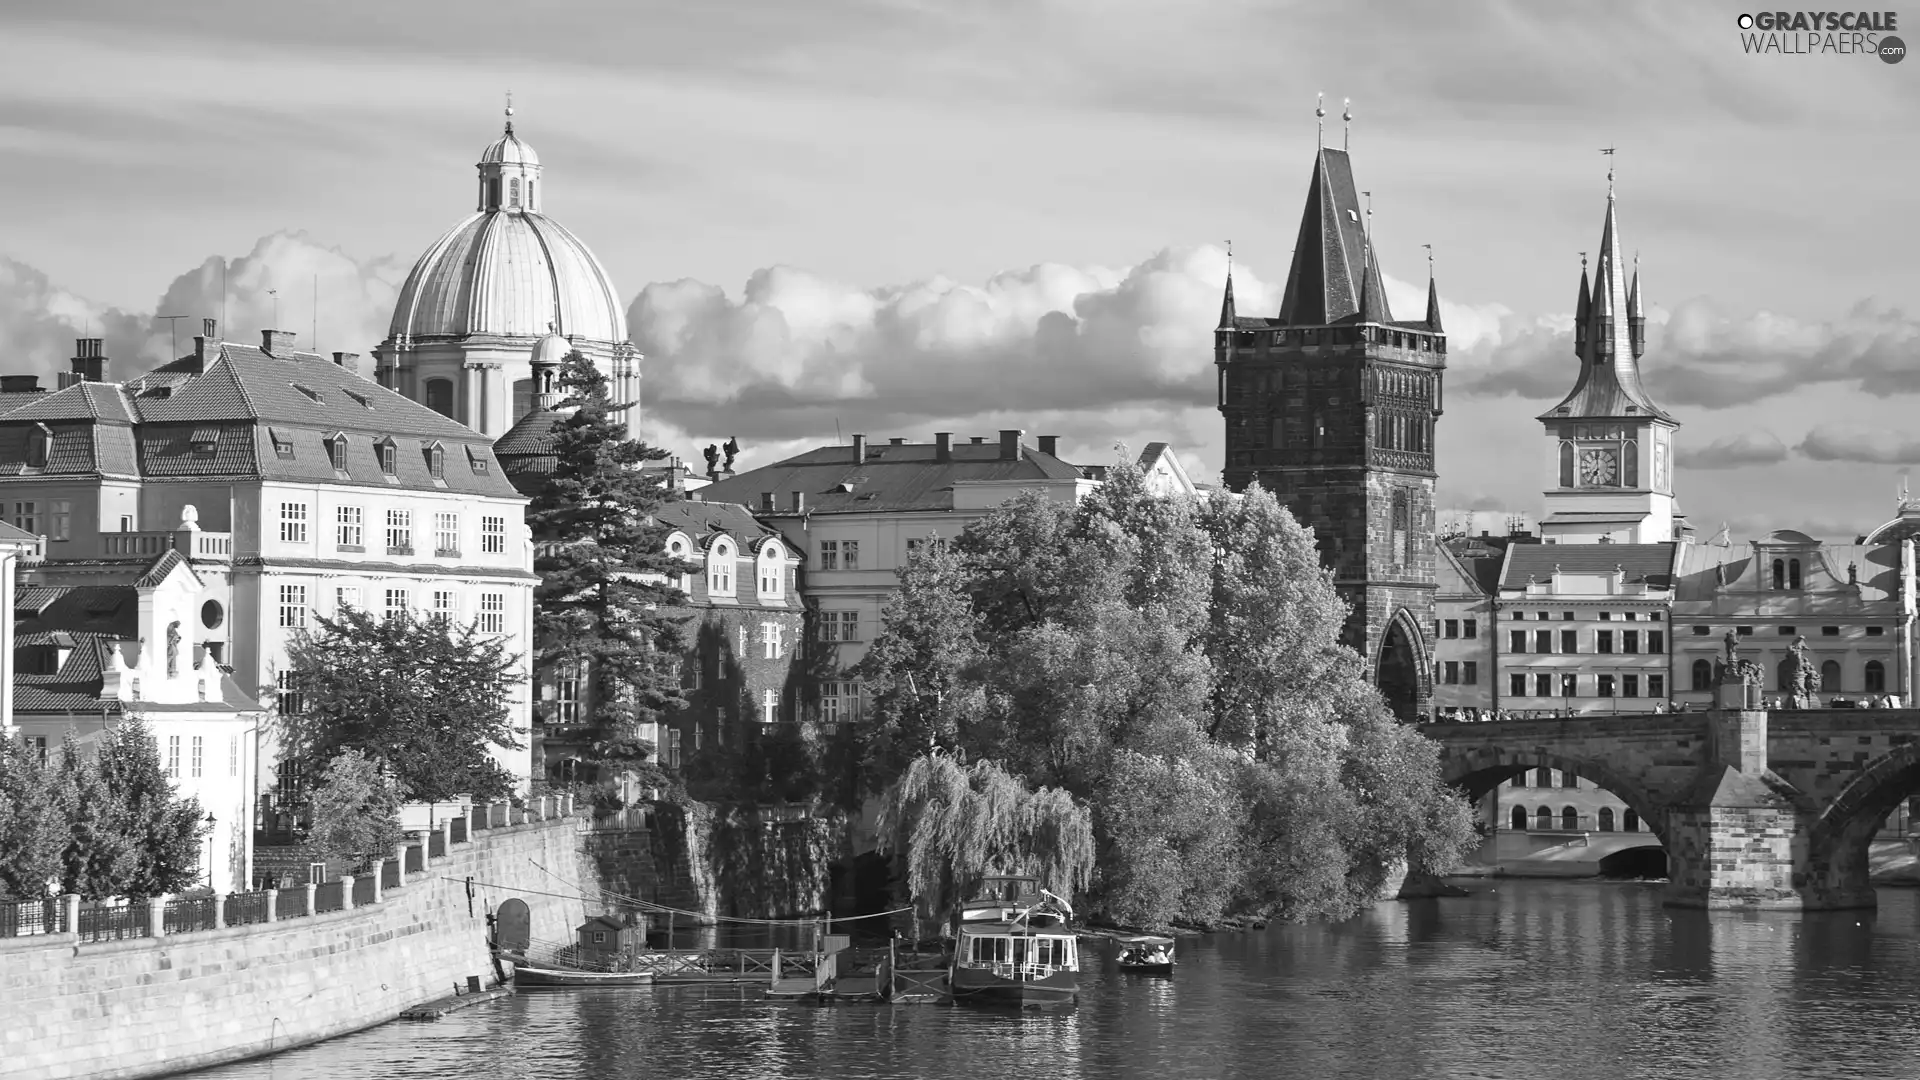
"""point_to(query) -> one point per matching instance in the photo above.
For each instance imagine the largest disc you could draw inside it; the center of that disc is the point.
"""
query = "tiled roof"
(10, 402)
(532, 434)
(904, 477)
(699, 518)
(113, 610)
(1330, 258)
(81, 401)
(1743, 581)
(1478, 573)
(1650, 564)
(247, 384)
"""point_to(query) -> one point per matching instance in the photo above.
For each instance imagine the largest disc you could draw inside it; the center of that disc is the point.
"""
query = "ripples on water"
(1519, 980)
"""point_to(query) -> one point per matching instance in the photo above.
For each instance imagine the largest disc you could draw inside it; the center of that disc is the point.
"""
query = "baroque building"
(479, 299)
(1331, 406)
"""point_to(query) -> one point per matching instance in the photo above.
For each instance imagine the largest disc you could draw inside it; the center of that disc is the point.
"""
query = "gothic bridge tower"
(1331, 406)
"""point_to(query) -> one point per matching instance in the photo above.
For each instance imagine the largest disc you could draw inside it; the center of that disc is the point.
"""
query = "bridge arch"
(1848, 825)
(1480, 769)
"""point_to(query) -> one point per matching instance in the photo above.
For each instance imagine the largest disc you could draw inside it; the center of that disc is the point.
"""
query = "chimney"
(799, 502)
(275, 342)
(20, 384)
(206, 348)
(896, 442)
(1010, 444)
(766, 501)
(88, 364)
(1050, 445)
(859, 449)
(978, 440)
(348, 360)
(943, 446)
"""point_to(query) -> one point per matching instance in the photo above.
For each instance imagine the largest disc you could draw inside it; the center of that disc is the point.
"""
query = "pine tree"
(601, 600)
(425, 697)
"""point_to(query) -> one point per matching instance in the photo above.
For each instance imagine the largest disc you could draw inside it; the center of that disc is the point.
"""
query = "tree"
(602, 600)
(163, 832)
(425, 698)
(353, 812)
(98, 857)
(32, 820)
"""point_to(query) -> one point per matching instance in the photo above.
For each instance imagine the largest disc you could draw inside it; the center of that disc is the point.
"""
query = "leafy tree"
(163, 832)
(601, 598)
(424, 697)
(32, 820)
(98, 858)
(353, 812)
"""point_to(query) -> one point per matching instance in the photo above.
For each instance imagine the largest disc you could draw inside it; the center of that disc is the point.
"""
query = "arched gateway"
(1401, 670)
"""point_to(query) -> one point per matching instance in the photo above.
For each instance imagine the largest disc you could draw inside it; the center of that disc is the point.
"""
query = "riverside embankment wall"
(153, 1006)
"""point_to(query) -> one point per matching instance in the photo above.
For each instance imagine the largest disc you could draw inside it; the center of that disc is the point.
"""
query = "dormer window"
(477, 458)
(389, 457)
(282, 444)
(365, 403)
(204, 441)
(720, 569)
(770, 575)
(39, 446)
(436, 456)
(337, 452)
(309, 391)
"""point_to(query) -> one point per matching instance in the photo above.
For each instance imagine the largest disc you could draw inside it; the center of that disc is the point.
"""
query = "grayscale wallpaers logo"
(1825, 33)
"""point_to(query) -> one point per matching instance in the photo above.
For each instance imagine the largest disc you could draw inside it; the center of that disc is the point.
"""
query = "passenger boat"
(1012, 945)
(539, 976)
(1146, 954)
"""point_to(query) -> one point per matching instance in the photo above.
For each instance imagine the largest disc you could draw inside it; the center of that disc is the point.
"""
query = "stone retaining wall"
(155, 1006)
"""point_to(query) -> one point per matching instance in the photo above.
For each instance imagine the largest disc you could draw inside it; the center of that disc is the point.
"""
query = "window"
(345, 598)
(399, 532)
(1569, 819)
(1452, 628)
(670, 754)
(1470, 628)
(1603, 641)
(1569, 685)
(770, 640)
(62, 519)
(513, 199)
(1830, 676)
(1876, 631)
(493, 613)
(1783, 674)
(446, 605)
(837, 702)
(1568, 780)
(1543, 685)
(720, 572)
(1520, 819)
(173, 757)
(1543, 778)
(769, 706)
(23, 517)
(282, 444)
(126, 522)
(1452, 673)
(293, 606)
(446, 534)
(39, 446)
(1783, 631)
(566, 692)
(1743, 631)
(389, 457)
(1629, 641)
(829, 554)
(1519, 781)
(1606, 686)
(199, 753)
(1402, 530)
(1517, 685)
(1565, 616)
(1876, 677)
(436, 456)
(839, 626)
(1543, 641)
(1517, 641)
(233, 755)
(1829, 631)
(849, 554)
(1656, 642)
(293, 523)
(337, 451)
(1702, 631)
(1629, 686)
(397, 602)
(1703, 675)
(770, 574)
(493, 535)
(721, 659)
(36, 747)
(1569, 641)
(1470, 673)
(347, 532)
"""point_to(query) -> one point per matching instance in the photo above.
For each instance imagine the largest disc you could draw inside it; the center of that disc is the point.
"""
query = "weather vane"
(1229, 258)
(509, 112)
(1583, 260)
(1429, 248)
(1346, 123)
(1320, 116)
(1608, 150)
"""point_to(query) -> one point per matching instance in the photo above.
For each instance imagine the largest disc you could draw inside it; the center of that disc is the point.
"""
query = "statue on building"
(1853, 573)
(733, 451)
(1734, 669)
(1802, 682)
(713, 457)
(173, 648)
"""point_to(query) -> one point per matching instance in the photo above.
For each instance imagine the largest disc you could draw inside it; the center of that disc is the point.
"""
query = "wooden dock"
(434, 1010)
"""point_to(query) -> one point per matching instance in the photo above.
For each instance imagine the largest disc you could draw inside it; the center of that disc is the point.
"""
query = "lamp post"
(210, 821)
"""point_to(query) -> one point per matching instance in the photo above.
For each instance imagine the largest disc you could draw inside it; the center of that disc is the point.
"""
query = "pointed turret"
(1226, 304)
(1373, 308)
(1636, 318)
(1433, 306)
(1582, 310)
(1608, 336)
(1330, 270)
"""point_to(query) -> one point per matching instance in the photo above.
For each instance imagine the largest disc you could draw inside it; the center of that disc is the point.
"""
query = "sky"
(899, 217)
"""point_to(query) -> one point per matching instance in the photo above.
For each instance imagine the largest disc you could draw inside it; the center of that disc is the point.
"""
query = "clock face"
(1597, 467)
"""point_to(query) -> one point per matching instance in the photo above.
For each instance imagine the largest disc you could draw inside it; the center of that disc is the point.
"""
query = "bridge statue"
(1735, 669)
(1802, 682)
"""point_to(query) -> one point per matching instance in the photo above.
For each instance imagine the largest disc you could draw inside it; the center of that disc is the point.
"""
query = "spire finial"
(1320, 116)
(509, 112)
(1429, 248)
(1346, 123)
(1583, 262)
(1608, 150)
(1229, 258)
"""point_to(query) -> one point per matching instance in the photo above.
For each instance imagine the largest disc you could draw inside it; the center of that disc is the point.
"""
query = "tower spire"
(1226, 301)
(1433, 295)
(1369, 300)
(1582, 311)
(1636, 318)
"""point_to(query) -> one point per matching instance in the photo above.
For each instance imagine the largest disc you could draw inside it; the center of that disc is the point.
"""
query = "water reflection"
(1518, 979)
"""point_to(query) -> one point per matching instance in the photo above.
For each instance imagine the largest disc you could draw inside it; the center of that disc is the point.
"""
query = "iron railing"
(292, 904)
(363, 889)
(416, 859)
(245, 908)
(390, 874)
(457, 829)
(437, 844)
(330, 897)
(187, 916)
(107, 922)
(26, 918)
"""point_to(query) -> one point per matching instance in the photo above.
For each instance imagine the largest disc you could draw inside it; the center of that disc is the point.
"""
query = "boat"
(525, 976)
(1146, 954)
(1012, 945)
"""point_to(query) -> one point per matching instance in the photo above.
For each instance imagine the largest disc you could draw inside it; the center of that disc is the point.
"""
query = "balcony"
(193, 543)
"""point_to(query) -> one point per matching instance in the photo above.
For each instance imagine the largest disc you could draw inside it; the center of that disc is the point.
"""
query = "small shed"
(604, 937)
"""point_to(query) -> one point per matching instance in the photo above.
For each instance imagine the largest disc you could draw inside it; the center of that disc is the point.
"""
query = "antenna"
(173, 328)
(837, 437)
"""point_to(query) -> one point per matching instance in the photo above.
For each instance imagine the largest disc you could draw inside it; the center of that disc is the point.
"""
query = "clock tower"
(1613, 447)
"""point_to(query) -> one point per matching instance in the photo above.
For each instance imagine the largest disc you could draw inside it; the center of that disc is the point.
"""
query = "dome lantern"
(509, 173)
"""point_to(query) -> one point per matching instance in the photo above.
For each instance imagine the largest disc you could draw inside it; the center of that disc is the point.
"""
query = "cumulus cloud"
(1736, 451)
(40, 320)
(1839, 441)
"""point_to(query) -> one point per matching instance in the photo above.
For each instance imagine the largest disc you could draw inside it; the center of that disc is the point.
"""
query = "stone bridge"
(1755, 809)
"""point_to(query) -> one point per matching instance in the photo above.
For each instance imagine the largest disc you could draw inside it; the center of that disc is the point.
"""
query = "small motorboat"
(1012, 946)
(524, 975)
(1146, 954)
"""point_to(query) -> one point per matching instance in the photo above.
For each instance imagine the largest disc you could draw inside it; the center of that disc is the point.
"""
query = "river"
(1520, 979)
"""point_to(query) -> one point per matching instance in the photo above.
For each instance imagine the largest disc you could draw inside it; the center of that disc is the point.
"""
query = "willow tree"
(953, 822)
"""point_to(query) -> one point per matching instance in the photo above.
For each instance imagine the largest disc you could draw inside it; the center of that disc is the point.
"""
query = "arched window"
(513, 192)
(1566, 464)
(1830, 676)
(1543, 819)
(440, 396)
(1519, 819)
(1630, 465)
(530, 184)
(493, 194)
(1793, 574)
(1876, 677)
(1605, 819)
(720, 570)
(770, 572)
(1543, 778)
(1629, 822)
(1779, 573)
(1783, 674)
(1569, 818)
(1703, 675)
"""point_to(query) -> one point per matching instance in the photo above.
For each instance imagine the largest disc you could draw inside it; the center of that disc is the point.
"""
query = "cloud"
(40, 320)
(1840, 441)
(1736, 451)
